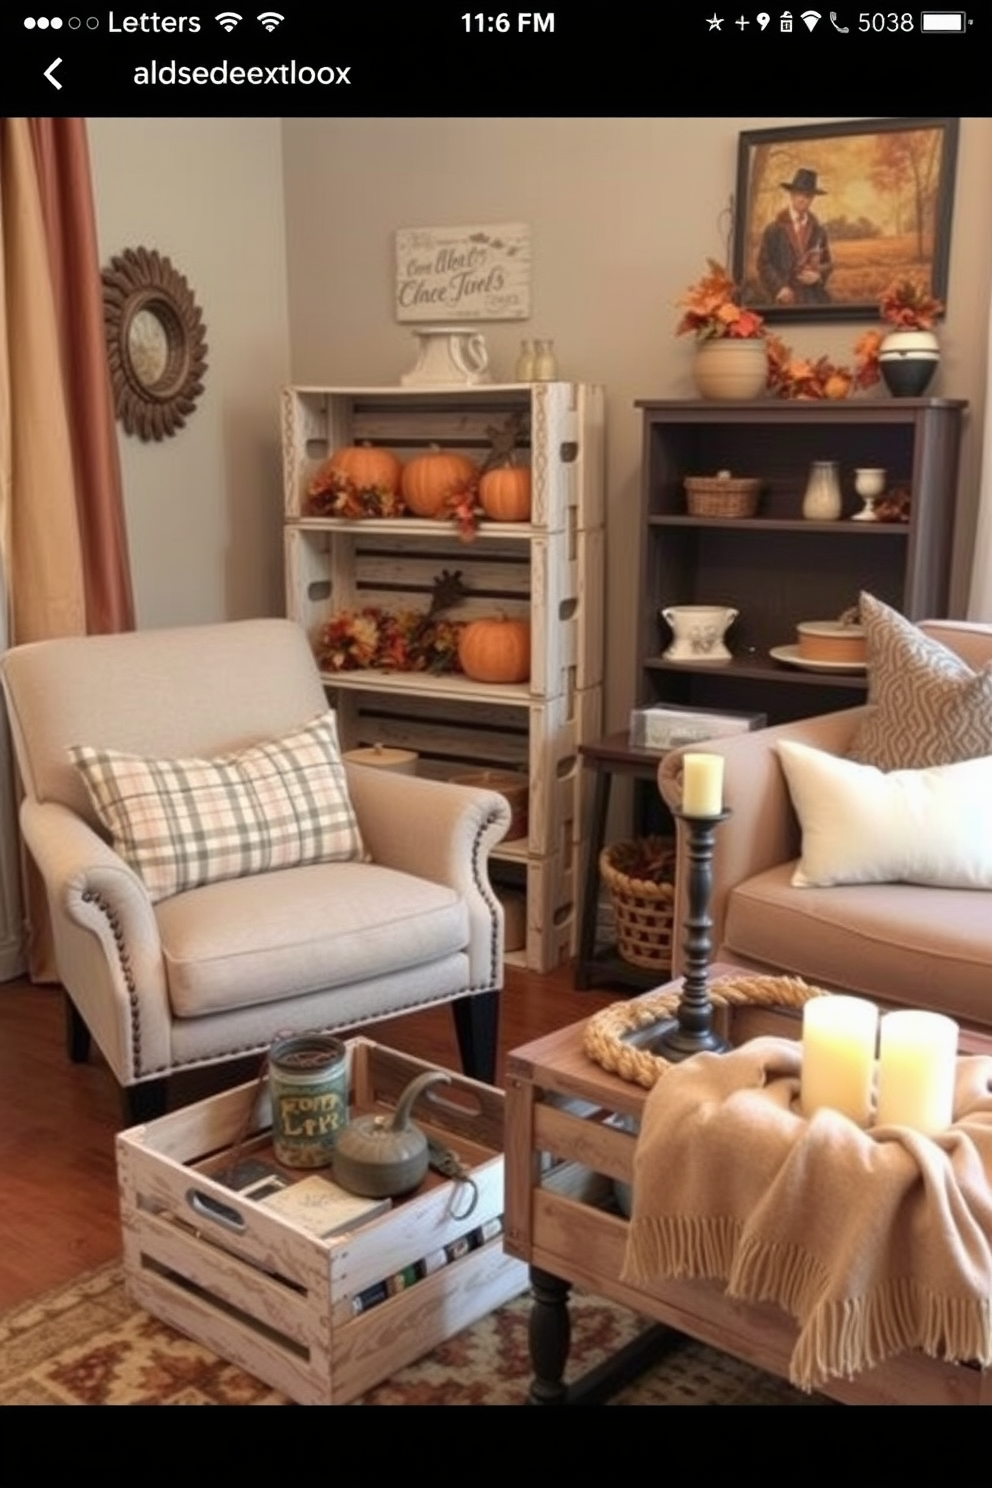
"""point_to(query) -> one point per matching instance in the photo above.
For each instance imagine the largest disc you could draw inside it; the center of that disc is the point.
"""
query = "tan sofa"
(898, 943)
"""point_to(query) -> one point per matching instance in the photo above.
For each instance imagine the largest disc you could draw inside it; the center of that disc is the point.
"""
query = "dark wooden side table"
(612, 755)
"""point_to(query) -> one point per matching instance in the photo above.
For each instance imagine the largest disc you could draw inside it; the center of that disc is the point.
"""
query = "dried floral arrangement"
(904, 305)
(711, 310)
(396, 641)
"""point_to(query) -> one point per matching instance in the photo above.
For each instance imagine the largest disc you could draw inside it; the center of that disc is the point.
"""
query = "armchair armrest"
(763, 830)
(442, 832)
(107, 946)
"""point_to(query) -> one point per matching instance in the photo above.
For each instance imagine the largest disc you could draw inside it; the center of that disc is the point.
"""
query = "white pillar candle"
(917, 1053)
(702, 784)
(382, 757)
(838, 1056)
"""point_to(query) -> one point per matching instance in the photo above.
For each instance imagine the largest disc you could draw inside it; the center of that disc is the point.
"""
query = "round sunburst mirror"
(155, 343)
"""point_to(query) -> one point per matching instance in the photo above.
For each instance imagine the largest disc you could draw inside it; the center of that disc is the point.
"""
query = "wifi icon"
(228, 19)
(270, 19)
(810, 17)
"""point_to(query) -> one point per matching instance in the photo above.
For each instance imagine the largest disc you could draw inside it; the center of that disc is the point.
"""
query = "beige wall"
(204, 508)
(290, 256)
(623, 213)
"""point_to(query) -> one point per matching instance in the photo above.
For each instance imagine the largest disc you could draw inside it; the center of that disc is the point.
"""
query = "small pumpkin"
(496, 649)
(429, 479)
(504, 493)
(365, 465)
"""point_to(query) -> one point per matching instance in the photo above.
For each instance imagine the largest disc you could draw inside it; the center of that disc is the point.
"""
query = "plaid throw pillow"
(187, 822)
(927, 705)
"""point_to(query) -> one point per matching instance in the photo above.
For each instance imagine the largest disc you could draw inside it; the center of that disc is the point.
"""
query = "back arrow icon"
(48, 73)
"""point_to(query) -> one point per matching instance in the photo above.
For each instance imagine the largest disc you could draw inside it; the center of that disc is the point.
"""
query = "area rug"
(88, 1344)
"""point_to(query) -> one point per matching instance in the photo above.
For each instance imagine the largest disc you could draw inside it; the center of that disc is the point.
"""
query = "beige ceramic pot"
(731, 368)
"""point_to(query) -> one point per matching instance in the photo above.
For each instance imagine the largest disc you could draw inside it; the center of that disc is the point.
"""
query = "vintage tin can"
(308, 1084)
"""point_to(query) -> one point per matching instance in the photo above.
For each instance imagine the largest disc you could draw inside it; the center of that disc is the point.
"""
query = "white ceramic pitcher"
(448, 356)
(698, 631)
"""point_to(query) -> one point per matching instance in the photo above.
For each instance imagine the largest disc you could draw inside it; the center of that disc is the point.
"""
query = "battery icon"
(947, 22)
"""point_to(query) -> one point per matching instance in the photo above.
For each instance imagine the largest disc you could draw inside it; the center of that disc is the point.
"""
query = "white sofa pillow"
(182, 823)
(864, 825)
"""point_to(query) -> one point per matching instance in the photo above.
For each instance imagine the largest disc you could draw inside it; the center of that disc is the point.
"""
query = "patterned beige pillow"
(182, 823)
(927, 706)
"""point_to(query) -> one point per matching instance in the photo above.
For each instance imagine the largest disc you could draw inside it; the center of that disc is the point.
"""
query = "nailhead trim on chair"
(485, 889)
(124, 961)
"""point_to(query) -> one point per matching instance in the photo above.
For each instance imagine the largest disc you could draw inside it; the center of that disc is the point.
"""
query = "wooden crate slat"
(551, 910)
(590, 621)
(590, 460)
(446, 744)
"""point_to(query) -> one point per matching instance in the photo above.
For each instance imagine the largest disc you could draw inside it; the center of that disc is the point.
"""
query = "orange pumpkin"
(495, 650)
(366, 466)
(429, 479)
(504, 493)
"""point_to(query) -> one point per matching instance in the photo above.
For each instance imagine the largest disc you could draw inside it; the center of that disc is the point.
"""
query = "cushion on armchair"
(182, 823)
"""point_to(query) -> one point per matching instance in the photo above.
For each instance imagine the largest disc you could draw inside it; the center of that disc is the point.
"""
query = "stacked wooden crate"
(549, 569)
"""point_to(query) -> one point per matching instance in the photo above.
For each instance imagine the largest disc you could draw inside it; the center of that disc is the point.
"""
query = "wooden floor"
(58, 1190)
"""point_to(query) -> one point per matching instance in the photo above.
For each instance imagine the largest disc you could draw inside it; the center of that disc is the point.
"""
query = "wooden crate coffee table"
(565, 1147)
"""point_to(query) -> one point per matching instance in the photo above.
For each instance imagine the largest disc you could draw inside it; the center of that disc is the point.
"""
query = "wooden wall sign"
(463, 273)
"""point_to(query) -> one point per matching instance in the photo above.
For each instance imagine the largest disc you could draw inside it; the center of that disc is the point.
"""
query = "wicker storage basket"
(644, 910)
(721, 495)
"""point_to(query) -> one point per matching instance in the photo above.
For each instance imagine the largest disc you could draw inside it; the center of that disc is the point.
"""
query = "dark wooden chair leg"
(144, 1102)
(77, 1035)
(477, 1030)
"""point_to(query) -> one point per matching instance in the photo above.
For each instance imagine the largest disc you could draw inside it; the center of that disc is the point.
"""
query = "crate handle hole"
(204, 1206)
(318, 590)
(569, 451)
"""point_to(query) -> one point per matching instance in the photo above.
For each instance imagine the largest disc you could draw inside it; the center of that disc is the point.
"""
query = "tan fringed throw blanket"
(875, 1242)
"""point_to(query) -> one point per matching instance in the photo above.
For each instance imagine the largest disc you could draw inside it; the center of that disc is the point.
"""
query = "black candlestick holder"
(691, 1030)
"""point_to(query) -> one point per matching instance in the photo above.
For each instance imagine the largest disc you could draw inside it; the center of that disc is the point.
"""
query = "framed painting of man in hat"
(827, 215)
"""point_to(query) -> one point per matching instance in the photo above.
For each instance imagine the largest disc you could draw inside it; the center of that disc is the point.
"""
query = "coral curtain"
(62, 159)
(63, 545)
(980, 601)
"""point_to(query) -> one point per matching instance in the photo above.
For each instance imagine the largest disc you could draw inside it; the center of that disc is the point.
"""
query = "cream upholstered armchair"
(168, 961)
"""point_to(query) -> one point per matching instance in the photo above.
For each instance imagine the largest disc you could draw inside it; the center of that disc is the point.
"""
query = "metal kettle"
(383, 1156)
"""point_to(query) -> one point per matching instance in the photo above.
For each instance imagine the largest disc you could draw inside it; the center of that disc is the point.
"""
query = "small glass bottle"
(524, 370)
(545, 366)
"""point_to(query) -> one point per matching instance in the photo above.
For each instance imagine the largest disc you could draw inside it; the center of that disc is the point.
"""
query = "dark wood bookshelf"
(776, 568)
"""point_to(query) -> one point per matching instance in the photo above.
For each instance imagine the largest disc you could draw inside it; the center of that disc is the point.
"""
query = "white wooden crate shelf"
(549, 570)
